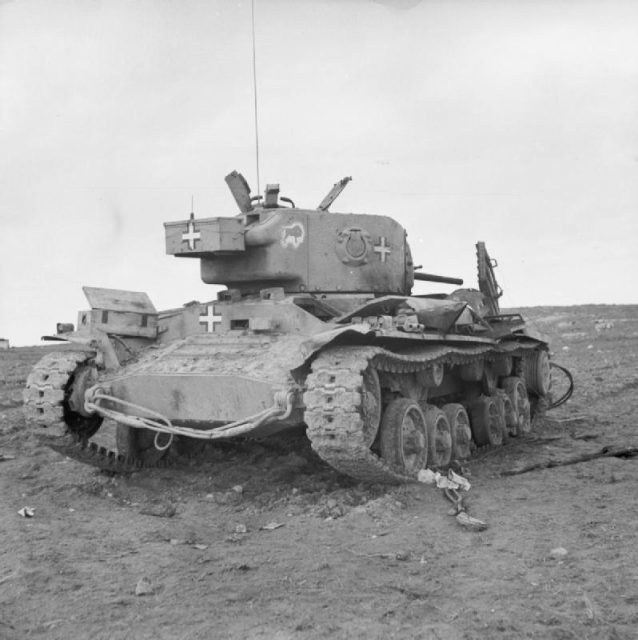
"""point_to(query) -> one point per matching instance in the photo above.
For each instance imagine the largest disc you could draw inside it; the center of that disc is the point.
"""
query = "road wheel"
(370, 405)
(459, 430)
(508, 413)
(439, 437)
(537, 372)
(515, 389)
(403, 439)
(486, 422)
(489, 379)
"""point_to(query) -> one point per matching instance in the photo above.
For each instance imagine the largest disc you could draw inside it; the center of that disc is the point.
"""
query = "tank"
(317, 330)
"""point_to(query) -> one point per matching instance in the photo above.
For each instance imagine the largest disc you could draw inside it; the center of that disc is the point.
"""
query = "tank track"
(95, 455)
(45, 391)
(44, 412)
(333, 399)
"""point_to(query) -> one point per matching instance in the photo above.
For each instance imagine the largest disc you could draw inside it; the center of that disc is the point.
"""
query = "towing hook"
(90, 397)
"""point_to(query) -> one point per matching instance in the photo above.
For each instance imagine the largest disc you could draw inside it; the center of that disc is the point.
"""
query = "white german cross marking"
(210, 319)
(382, 248)
(191, 235)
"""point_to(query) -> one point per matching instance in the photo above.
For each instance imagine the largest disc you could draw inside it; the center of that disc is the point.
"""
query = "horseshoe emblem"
(353, 246)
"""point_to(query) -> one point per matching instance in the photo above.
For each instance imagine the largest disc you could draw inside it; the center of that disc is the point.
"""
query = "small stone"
(144, 587)
(240, 528)
(331, 504)
(238, 489)
(558, 553)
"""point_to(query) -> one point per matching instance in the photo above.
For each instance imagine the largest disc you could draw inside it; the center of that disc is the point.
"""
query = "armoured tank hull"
(384, 383)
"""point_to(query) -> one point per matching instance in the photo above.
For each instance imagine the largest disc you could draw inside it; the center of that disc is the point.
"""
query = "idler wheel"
(487, 427)
(77, 419)
(515, 389)
(139, 444)
(537, 372)
(459, 430)
(439, 437)
(403, 440)
(370, 405)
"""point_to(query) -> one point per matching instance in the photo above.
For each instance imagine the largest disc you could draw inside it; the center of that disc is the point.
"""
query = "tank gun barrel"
(429, 277)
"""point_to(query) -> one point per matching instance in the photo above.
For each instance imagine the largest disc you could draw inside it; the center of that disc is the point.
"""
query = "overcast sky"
(511, 122)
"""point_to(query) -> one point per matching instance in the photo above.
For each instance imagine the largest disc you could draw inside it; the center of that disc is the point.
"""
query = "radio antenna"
(255, 94)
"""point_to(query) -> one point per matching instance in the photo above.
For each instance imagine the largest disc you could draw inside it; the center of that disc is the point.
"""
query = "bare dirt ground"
(350, 561)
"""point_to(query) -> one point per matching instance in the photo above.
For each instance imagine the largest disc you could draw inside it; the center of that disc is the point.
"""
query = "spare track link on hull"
(333, 405)
(45, 389)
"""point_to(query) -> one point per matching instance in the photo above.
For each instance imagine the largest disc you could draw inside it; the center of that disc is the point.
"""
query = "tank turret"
(273, 243)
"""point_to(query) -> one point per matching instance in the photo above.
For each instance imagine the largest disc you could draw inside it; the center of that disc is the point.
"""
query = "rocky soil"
(263, 540)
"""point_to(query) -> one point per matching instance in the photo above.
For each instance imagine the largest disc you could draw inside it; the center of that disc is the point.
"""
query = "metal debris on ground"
(451, 481)
(27, 512)
(451, 485)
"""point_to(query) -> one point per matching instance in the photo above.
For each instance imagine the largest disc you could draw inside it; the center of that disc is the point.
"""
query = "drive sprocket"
(46, 396)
